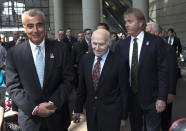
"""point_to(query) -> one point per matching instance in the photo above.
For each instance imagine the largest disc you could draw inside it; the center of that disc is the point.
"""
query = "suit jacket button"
(95, 97)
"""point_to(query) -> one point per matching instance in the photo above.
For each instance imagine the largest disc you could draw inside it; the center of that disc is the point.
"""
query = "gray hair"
(32, 13)
(155, 26)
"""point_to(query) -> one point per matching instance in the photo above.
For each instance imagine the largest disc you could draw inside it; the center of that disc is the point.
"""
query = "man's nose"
(35, 28)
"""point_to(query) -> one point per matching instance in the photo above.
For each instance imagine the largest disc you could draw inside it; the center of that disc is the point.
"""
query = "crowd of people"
(112, 79)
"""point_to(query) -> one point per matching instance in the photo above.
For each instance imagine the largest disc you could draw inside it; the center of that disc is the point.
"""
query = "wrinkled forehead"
(97, 38)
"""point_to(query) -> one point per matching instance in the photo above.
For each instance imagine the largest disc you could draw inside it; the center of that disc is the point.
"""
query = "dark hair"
(114, 33)
(85, 30)
(68, 29)
(171, 30)
(104, 25)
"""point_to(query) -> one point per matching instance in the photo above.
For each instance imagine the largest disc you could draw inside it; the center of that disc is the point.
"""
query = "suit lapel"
(49, 60)
(90, 66)
(145, 45)
(105, 70)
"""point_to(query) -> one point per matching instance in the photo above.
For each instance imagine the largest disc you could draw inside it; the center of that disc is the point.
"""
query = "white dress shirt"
(102, 62)
(140, 38)
(34, 50)
(171, 39)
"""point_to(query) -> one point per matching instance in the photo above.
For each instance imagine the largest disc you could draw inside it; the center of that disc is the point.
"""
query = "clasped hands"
(45, 109)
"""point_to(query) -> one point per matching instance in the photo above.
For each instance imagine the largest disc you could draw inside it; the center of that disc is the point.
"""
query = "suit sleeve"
(14, 87)
(81, 91)
(162, 69)
(60, 96)
(124, 86)
(171, 55)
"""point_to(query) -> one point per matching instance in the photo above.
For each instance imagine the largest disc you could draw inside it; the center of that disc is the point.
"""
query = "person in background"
(69, 39)
(103, 26)
(114, 38)
(103, 86)
(166, 115)
(174, 41)
(12, 43)
(39, 78)
(22, 39)
(80, 37)
(61, 35)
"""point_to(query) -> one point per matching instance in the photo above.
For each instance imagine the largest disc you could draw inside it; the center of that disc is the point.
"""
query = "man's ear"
(109, 43)
(141, 24)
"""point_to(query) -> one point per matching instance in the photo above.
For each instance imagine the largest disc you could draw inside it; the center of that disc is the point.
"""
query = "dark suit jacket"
(9, 44)
(177, 45)
(173, 69)
(70, 43)
(105, 106)
(152, 69)
(24, 87)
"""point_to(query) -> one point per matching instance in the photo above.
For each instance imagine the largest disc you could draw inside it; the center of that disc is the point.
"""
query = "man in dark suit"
(12, 43)
(166, 115)
(103, 86)
(174, 41)
(86, 43)
(69, 39)
(148, 72)
(39, 78)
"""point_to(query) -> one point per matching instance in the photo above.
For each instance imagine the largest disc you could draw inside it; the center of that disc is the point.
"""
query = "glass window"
(11, 11)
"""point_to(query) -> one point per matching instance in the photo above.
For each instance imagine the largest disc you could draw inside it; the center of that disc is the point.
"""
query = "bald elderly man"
(103, 86)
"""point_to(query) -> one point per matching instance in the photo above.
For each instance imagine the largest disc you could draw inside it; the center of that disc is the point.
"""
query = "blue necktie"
(40, 65)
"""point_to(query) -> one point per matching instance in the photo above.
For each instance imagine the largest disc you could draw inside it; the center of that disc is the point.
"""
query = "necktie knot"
(38, 48)
(135, 41)
(99, 59)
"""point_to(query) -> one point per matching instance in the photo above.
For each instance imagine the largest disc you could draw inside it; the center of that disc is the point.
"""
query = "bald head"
(100, 42)
(102, 34)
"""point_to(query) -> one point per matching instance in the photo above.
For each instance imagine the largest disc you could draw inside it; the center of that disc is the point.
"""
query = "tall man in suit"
(103, 86)
(39, 78)
(166, 115)
(148, 72)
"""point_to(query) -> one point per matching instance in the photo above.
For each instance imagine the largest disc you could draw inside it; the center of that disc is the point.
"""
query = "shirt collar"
(139, 37)
(104, 56)
(33, 46)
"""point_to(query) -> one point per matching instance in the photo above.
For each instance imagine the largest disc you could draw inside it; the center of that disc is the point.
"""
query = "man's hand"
(46, 109)
(123, 123)
(76, 117)
(170, 98)
(160, 105)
